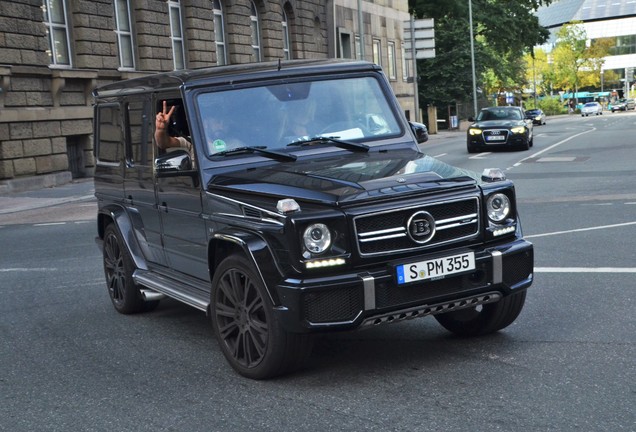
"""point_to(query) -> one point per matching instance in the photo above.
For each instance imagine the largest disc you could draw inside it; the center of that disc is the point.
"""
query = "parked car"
(623, 105)
(591, 108)
(317, 214)
(536, 115)
(501, 127)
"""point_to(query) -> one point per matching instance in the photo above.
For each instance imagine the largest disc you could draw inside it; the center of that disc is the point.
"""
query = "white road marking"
(23, 269)
(553, 146)
(50, 223)
(585, 269)
(580, 230)
(440, 155)
(480, 155)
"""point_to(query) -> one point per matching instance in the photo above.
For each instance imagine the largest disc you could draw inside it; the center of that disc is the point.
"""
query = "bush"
(552, 106)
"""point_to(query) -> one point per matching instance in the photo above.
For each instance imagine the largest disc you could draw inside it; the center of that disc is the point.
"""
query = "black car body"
(536, 115)
(277, 234)
(502, 127)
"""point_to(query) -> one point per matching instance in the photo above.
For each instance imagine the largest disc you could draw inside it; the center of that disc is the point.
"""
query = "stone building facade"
(53, 53)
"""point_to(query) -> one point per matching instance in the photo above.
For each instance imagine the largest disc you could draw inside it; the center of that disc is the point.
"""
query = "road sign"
(422, 36)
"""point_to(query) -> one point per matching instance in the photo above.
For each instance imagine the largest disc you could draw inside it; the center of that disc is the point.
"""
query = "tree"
(503, 30)
(577, 64)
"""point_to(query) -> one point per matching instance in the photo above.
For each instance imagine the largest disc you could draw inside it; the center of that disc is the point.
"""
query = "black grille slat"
(386, 232)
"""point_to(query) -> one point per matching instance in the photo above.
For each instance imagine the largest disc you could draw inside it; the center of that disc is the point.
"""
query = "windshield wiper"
(259, 150)
(348, 145)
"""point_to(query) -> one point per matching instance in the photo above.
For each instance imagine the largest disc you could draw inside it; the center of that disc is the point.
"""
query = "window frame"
(124, 33)
(174, 7)
(217, 14)
(377, 51)
(287, 53)
(392, 64)
(255, 27)
(50, 27)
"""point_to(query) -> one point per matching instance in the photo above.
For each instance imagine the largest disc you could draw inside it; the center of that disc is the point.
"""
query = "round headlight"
(317, 238)
(498, 207)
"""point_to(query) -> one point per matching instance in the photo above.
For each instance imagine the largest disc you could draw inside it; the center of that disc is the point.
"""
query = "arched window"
(219, 33)
(287, 55)
(57, 32)
(256, 33)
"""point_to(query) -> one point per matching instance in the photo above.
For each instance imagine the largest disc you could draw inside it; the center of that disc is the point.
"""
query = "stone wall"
(45, 110)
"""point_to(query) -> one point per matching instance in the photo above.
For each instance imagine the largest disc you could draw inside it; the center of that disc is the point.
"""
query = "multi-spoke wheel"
(483, 319)
(118, 268)
(248, 332)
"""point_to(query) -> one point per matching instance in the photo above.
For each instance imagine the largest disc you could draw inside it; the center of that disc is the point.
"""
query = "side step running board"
(172, 288)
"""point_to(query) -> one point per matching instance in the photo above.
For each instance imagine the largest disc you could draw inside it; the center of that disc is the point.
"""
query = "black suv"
(303, 205)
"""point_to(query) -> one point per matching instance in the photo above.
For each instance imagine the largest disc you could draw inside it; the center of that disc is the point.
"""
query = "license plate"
(495, 138)
(435, 268)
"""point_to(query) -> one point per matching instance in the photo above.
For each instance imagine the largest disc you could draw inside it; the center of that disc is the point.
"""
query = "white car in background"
(591, 108)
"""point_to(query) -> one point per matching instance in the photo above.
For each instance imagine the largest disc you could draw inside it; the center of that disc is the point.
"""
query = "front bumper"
(371, 297)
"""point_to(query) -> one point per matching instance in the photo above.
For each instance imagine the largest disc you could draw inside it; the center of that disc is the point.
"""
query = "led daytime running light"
(332, 262)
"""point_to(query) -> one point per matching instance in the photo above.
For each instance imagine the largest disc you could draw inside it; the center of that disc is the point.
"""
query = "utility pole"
(472, 55)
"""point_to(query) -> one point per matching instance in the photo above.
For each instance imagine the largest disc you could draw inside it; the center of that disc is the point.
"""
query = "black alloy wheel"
(249, 334)
(118, 267)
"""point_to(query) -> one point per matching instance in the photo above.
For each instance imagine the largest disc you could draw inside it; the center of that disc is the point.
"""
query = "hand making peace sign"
(163, 118)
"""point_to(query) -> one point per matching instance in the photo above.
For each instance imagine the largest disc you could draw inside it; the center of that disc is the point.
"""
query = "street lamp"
(472, 55)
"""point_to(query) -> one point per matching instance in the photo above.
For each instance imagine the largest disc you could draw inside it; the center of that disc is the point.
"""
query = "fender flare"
(258, 252)
(124, 224)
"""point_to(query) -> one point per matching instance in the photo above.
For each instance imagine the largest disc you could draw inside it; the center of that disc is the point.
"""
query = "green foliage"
(552, 106)
(503, 31)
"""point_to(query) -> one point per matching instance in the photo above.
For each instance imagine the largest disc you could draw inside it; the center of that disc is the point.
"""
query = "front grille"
(490, 135)
(335, 305)
(387, 232)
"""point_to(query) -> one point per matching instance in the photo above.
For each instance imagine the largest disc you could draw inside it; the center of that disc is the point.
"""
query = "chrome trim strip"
(383, 237)
(143, 279)
(277, 217)
(458, 218)
(384, 231)
(497, 267)
(455, 225)
(368, 283)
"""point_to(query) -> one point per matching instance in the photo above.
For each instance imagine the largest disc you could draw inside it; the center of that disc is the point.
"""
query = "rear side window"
(109, 143)
(140, 132)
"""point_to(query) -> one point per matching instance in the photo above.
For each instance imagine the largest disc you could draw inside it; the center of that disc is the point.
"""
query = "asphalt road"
(70, 362)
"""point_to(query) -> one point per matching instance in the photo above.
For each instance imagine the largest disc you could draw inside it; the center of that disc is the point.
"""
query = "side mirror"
(420, 131)
(174, 163)
(471, 119)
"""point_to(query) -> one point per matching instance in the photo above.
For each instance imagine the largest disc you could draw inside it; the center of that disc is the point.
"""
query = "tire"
(124, 293)
(250, 335)
(488, 318)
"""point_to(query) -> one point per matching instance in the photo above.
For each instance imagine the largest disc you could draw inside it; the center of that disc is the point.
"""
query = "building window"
(176, 34)
(256, 33)
(391, 59)
(406, 65)
(57, 32)
(377, 59)
(358, 48)
(219, 33)
(124, 34)
(286, 38)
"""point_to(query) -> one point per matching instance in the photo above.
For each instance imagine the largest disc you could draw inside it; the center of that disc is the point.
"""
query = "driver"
(162, 138)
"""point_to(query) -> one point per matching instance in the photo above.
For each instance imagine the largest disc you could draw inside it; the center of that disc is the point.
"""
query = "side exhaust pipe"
(150, 295)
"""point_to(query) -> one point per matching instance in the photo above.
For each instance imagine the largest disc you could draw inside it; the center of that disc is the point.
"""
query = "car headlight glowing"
(518, 129)
(498, 207)
(474, 131)
(317, 238)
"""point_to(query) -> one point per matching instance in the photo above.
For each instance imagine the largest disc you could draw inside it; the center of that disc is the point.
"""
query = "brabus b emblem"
(421, 227)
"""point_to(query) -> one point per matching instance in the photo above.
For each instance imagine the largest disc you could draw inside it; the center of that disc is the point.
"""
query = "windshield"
(499, 114)
(273, 117)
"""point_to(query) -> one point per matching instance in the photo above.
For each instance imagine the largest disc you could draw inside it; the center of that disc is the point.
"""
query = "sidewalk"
(75, 190)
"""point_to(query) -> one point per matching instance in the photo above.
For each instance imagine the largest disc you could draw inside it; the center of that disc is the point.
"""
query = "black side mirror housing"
(420, 131)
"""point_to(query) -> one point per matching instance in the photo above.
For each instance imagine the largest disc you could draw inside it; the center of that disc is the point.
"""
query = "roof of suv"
(232, 73)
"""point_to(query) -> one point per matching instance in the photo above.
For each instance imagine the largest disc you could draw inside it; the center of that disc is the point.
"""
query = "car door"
(179, 200)
(139, 185)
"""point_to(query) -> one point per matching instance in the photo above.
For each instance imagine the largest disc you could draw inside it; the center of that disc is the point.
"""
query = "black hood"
(346, 179)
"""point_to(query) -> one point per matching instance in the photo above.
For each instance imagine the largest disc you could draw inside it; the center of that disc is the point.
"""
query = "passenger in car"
(163, 139)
